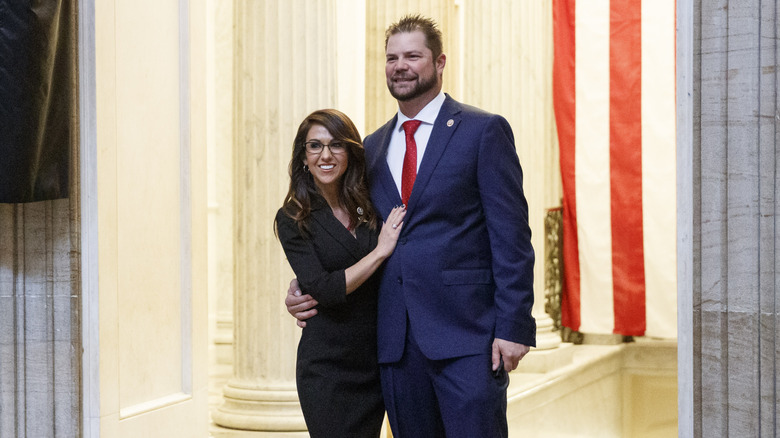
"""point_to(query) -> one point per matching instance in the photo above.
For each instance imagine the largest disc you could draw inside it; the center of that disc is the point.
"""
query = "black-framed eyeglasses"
(315, 147)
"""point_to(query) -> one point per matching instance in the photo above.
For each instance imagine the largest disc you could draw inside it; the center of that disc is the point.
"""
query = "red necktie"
(410, 160)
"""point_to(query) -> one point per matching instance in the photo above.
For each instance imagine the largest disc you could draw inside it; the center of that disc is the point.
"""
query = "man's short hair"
(412, 23)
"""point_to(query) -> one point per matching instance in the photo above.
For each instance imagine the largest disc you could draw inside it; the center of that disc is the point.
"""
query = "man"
(456, 295)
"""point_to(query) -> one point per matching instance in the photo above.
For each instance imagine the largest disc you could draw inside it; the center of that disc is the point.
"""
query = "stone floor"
(586, 391)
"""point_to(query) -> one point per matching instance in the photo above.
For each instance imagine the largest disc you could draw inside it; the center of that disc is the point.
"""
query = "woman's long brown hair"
(353, 195)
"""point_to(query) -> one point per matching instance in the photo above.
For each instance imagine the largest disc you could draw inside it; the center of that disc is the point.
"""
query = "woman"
(330, 233)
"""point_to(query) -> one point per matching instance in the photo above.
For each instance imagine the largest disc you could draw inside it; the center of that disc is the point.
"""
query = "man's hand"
(300, 306)
(511, 352)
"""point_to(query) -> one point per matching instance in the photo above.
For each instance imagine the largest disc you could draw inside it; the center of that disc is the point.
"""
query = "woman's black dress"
(337, 372)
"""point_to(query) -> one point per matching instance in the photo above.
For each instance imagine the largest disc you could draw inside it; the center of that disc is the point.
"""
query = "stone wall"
(728, 215)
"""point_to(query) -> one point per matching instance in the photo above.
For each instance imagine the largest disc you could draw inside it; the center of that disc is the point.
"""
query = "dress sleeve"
(328, 288)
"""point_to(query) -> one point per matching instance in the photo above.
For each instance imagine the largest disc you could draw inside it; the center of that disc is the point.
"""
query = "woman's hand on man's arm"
(299, 305)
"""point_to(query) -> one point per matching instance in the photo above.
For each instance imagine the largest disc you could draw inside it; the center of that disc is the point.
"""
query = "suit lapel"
(380, 167)
(324, 217)
(443, 128)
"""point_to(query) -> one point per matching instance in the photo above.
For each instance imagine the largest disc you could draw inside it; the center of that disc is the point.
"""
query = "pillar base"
(260, 409)
(547, 337)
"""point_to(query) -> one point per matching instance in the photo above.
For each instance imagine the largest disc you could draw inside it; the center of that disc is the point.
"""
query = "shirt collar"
(426, 115)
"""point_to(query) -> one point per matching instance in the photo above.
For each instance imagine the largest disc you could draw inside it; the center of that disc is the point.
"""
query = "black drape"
(38, 98)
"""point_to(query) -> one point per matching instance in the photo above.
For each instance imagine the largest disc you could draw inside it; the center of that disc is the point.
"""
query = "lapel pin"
(450, 122)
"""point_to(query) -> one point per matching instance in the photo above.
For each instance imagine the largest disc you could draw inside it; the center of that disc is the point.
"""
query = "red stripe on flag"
(564, 99)
(626, 166)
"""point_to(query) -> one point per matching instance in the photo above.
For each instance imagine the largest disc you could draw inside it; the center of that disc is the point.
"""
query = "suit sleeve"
(500, 181)
(329, 288)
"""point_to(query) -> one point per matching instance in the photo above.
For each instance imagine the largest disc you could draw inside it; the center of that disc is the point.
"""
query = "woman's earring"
(306, 168)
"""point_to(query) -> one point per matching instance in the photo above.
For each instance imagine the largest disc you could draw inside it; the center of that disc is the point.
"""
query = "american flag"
(614, 95)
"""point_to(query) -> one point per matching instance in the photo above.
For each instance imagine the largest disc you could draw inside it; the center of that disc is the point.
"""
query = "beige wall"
(148, 357)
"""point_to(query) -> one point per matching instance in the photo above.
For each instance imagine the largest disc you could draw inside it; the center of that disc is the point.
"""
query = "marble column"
(728, 124)
(285, 68)
(380, 105)
(507, 70)
(220, 179)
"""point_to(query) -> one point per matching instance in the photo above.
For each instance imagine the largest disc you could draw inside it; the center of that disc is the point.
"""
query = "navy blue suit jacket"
(462, 271)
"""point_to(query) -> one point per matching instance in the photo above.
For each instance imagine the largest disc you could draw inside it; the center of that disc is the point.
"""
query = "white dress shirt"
(397, 148)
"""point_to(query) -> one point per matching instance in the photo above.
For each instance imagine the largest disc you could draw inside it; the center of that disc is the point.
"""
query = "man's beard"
(422, 86)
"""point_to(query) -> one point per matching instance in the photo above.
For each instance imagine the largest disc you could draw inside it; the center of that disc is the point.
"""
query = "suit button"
(400, 280)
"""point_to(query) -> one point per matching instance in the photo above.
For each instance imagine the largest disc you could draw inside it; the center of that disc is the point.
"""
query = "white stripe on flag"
(592, 88)
(658, 166)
